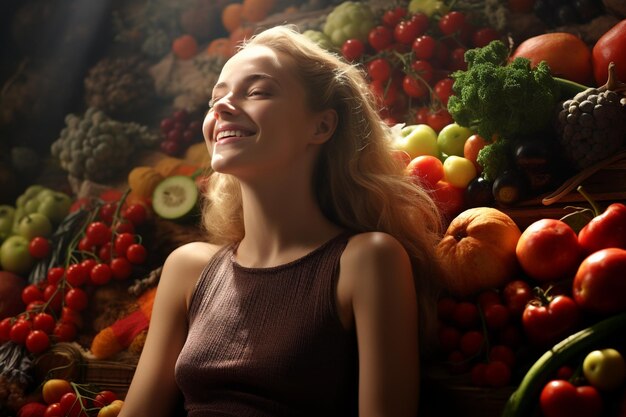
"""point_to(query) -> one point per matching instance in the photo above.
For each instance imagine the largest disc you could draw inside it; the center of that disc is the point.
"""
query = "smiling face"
(260, 119)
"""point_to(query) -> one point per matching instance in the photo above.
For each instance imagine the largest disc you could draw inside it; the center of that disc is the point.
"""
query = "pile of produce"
(514, 294)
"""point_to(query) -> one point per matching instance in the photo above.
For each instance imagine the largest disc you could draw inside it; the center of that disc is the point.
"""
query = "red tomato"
(449, 338)
(477, 375)
(503, 354)
(55, 274)
(54, 389)
(457, 60)
(414, 87)
(472, 146)
(44, 322)
(104, 253)
(31, 293)
(53, 295)
(488, 297)
(76, 275)
(65, 332)
(423, 69)
(379, 69)
(560, 398)
(472, 343)
(86, 245)
(54, 410)
(37, 341)
(599, 285)
(352, 49)
(517, 294)
(547, 324)
(380, 37)
(548, 250)
(482, 37)
(98, 232)
(451, 22)
(121, 268)
(496, 316)
(393, 16)
(136, 253)
(135, 213)
(466, 315)
(386, 92)
(438, 119)
(32, 410)
(76, 299)
(105, 397)
(107, 211)
(426, 169)
(19, 331)
(101, 274)
(69, 315)
(88, 265)
(405, 32)
(497, 374)
(424, 47)
(443, 90)
(5, 329)
(39, 247)
(421, 115)
(449, 199)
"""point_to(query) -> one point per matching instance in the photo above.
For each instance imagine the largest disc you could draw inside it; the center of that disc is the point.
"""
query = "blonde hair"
(359, 184)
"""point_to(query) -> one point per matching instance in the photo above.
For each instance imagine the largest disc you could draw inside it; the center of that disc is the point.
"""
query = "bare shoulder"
(373, 249)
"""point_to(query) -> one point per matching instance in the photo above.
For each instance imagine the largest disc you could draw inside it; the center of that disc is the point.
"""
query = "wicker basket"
(69, 361)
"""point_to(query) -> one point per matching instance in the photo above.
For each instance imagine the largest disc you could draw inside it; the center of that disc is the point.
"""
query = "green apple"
(458, 171)
(33, 225)
(55, 206)
(605, 369)
(451, 139)
(417, 140)
(7, 213)
(14, 255)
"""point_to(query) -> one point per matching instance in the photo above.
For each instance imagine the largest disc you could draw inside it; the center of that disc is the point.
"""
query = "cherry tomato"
(497, 374)
(98, 232)
(423, 69)
(352, 49)
(105, 397)
(426, 169)
(88, 265)
(457, 60)
(86, 245)
(406, 31)
(135, 213)
(386, 92)
(414, 87)
(449, 338)
(44, 322)
(472, 343)
(76, 275)
(136, 253)
(451, 22)
(39, 247)
(104, 253)
(101, 274)
(482, 37)
(53, 389)
(124, 226)
(54, 410)
(5, 329)
(503, 354)
(560, 398)
(379, 69)
(466, 314)
(445, 308)
(53, 295)
(496, 316)
(380, 37)
(37, 341)
(546, 324)
(73, 406)
(421, 115)
(122, 242)
(517, 294)
(65, 332)
(477, 374)
(107, 211)
(76, 299)
(486, 298)
(424, 47)
(121, 268)
(438, 119)
(393, 16)
(55, 274)
(31, 293)
(443, 90)
(19, 331)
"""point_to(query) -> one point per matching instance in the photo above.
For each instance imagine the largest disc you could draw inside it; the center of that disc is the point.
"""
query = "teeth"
(229, 133)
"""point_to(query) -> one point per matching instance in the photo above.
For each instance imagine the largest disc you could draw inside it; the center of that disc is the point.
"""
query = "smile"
(224, 134)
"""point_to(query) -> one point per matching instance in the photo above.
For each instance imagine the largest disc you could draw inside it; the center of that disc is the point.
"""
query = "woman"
(307, 300)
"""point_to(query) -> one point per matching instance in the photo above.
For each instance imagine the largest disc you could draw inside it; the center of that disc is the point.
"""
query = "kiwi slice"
(175, 198)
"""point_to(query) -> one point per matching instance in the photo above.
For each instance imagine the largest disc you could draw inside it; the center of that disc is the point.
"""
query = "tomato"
(560, 398)
(517, 294)
(104, 253)
(53, 295)
(37, 341)
(122, 242)
(54, 410)
(405, 32)
(44, 322)
(414, 87)
(438, 119)
(111, 410)
(446, 307)
(76, 299)
(497, 374)
(482, 37)
(101, 274)
(136, 253)
(486, 298)
(32, 409)
(352, 49)
(443, 90)
(426, 169)
(449, 199)
(107, 211)
(135, 213)
(31, 293)
(457, 60)
(69, 315)
(88, 265)
(121, 268)
(98, 232)
(599, 286)
(124, 226)
(5, 329)
(421, 115)
(104, 397)
(379, 69)
(76, 275)
(55, 274)
(511, 335)
(386, 92)
(380, 37)
(477, 375)
(393, 16)
(424, 47)
(496, 316)
(19, 331)
(503, 354)
(64, 331)
(466, 314)
(39, 247)
(73, 406)
(54, 389)
(548, 321)
(472, 343)
(449, 338)
(451, 22)
(423, 69)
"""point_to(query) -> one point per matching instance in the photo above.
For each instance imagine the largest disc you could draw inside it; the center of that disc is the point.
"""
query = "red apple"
(610, 47)
(548, 250)
(600, 282)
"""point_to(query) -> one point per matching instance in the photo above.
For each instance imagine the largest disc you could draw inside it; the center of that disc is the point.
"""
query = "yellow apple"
(417, 140)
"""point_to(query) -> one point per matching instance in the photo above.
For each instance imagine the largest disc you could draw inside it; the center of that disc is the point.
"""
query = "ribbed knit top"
(269, 341)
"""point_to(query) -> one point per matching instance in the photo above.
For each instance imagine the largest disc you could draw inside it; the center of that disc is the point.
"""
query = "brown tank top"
(269, 341)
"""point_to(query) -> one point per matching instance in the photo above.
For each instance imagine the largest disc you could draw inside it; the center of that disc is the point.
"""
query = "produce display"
(491, 105)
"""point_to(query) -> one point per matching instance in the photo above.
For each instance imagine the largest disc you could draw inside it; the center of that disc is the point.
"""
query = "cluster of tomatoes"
(106, 248)
(61, 398)
(483, 336)
(408, 59)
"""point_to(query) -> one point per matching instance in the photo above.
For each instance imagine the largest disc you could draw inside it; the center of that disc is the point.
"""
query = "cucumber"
(525, 398)
(568, 89)
(176, 198)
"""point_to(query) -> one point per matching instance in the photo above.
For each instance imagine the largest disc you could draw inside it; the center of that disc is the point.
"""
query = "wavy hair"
(359, 184)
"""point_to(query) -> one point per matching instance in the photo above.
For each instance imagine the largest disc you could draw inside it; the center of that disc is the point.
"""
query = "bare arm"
(376, 271)
(153, 391)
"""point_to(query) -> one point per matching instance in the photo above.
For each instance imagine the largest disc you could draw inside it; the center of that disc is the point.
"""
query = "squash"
(142, 181)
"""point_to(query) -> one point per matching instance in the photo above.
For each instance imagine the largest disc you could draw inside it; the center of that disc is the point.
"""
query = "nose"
(224, 105)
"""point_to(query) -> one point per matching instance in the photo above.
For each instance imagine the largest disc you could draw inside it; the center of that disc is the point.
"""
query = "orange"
(231, 16)
(220, 47)
(256, 10)
(185, 47)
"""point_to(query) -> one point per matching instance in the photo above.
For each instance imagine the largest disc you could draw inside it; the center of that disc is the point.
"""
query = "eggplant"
(510, 187)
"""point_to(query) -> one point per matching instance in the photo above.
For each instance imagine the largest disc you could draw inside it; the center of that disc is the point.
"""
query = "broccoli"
(495, 158)
(497, 97)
